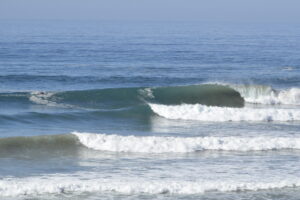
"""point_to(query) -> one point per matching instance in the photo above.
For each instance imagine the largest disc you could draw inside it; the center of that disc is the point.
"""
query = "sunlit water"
(148, 110)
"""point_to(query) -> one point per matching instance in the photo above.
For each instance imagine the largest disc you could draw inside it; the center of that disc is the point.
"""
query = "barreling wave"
(208, 94)
(61, 184)
(142, 144)
(205, 102)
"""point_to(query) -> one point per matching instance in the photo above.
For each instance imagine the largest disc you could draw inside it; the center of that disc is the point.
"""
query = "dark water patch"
(206, 94)
(39, 145)
(142, 112)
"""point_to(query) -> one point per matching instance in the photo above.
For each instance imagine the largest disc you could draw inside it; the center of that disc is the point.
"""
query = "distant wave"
(96, 80)
(210, 94)
(217, 95)
(60, 184)
(142, 144)
(207, 94)
(205, 102)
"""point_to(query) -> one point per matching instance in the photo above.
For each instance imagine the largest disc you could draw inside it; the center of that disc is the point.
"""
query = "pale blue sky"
(206, 10)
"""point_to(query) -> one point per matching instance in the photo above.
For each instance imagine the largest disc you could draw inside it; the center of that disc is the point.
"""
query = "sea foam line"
(155, 144)
(213, 113)
(38, 186)
(68, 184)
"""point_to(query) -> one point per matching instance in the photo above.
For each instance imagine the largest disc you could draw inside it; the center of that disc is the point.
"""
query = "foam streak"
(211, 113)
(153, 144)
(60, 185)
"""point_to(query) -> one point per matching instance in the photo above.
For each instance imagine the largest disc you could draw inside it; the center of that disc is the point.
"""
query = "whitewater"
(262, 110)
(63, 184)
(146, 110)
(209, 113)
(152, 144)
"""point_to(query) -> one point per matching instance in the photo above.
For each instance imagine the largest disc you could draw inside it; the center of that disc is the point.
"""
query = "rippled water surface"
(148, 110)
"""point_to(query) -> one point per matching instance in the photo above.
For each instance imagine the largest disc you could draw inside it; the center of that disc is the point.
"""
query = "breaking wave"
(142, 144)
(262, 94)
(210, 94)
(205, 102)
(154, 144)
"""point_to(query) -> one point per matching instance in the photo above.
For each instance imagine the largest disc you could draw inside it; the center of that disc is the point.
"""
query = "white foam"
(42, 98)
(156, 144)
(217, 114)
(48, 99)
(68, 184)
(147, 93)
(267, 95)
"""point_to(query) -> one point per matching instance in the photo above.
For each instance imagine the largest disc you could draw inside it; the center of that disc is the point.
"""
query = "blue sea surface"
(149, 110)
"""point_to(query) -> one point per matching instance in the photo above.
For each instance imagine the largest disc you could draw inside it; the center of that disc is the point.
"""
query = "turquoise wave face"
(133, 103)
(153, 106)
(126, 103)
(116, 98)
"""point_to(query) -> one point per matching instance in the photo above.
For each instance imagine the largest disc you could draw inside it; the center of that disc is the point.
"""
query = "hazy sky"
(206, 10)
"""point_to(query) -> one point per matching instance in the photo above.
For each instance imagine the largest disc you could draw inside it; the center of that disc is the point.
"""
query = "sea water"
(149, 110)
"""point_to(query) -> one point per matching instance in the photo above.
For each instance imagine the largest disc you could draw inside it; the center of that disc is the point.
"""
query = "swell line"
(143, 144)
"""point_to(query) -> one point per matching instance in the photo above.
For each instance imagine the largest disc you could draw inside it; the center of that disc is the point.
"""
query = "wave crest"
(72, 143)
(154, 144)
(261, 94)
(209, 94)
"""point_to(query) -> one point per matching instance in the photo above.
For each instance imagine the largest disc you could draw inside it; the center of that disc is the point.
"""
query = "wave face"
(223, 95)
(206, 102)
(63, 184)
(141, 144)
(213, 94)
(212, 113)
(38, 144)
(208, 94)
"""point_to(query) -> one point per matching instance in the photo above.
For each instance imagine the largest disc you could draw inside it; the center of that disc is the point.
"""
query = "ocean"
(149, 110)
